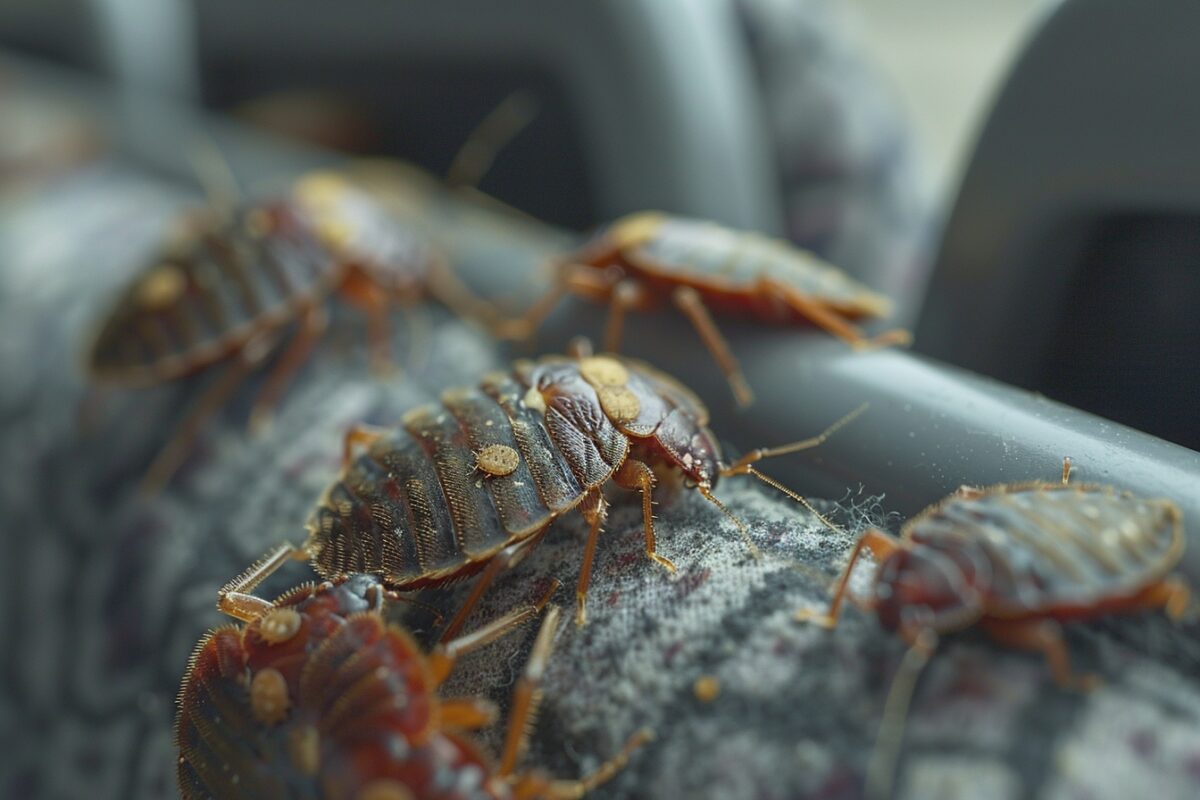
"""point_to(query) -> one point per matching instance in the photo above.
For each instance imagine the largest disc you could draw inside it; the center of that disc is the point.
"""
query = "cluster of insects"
(320, 694)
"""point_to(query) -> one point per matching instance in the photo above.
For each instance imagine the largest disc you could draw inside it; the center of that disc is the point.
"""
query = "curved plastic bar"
(662, 89)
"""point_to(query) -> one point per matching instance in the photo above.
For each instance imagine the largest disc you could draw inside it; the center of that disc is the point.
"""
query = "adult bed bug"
(1015, 559)
(318, 695)
(647, 260)
(228, 287)
(476, 480)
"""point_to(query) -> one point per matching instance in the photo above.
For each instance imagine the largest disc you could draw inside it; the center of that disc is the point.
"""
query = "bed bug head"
(919, 588)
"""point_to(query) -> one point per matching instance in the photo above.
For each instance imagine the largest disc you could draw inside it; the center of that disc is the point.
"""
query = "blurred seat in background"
(755, 113)
(1070, 264)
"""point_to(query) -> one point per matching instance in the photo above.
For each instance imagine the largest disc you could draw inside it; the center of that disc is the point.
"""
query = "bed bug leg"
(626, 296)
(313, 324)
(594, 510)
(173, 453)
(688, 301)
(523, 712)
(573, 278)
(633, 474)
(834, 323)
(446, 654)
(1171, 594)
(881, 771)
(880, 545)
(1044, 636)
(501, 125)
(505, 560)
(235, 599)
(1066, 473)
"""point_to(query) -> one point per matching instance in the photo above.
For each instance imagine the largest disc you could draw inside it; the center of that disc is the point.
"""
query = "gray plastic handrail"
(663, 90)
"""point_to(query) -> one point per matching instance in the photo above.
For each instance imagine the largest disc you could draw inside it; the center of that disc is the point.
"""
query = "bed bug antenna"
(495, 132)
(745, 464)
(741, 526)
(881, 772)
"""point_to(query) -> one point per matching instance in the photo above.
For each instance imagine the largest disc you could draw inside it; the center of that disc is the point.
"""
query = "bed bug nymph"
(318, 695)
(647, 260)
(474, 482)
(1015, 559)
(229, 286)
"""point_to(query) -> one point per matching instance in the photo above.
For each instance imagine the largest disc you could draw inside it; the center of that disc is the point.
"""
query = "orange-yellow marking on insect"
(269, 696)
(162, 287)
(279, 624)
(603, 371)
(497, 459)
(620, 404)
(636, 229)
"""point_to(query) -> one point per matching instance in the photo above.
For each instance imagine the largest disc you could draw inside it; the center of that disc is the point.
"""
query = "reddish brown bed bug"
(229, 287)
(475, 481)
(647, 260)
(319, 695)
(1016, 560)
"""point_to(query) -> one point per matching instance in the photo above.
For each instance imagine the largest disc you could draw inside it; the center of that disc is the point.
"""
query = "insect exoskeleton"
(649, 260)
(229, 287)
(320, 695)
(473, 482)
(1017, 559)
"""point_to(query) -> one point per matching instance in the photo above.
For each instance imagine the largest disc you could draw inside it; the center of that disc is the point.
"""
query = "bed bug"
(473, 482)
(228, 288)
(1016, 560)
(647, 260)
(319, 695)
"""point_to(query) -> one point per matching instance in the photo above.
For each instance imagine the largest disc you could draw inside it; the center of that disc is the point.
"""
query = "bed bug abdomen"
(1057, 546)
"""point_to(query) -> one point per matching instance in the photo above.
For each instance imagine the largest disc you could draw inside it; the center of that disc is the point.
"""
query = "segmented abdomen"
(1054, 546)
(203, 299)
(417, 508)
(320, 698)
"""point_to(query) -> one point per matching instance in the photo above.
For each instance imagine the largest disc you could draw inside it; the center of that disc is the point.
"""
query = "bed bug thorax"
(1015, 560)
(471, 484)
(649, 260)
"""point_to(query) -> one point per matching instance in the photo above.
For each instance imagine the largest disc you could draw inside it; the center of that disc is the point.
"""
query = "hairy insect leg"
(359, 436)
(173, 453)
(505, 560)
(881, 770)
(1171, 594)
(633, 474)
(444, 285)
(627, 295)
(445, 655)
(1043, 636)
(824, 317)
(578, 279)
(313, 324)
(688, 301)
(594, 510)
(880, 545)
(525, 700)
(234, 598)
(527, 694)
(467, 713)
